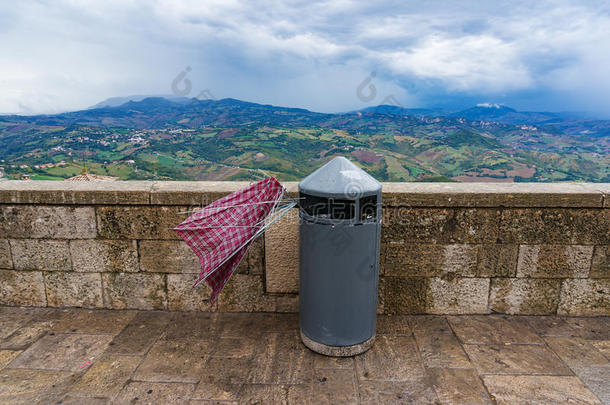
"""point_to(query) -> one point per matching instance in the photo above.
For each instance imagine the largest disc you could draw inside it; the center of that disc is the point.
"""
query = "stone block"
(178, 193)
(97, 256)
(35, 254)
(286, 302)
(458, 295)
(600, 264)
(405, 295)
(134, 291)
(157, 256)
(22, 288)
(440, 225)
(128, 222)
(429, 260)
(497, 260)
(245, 293)
(555, 226)
(524, 297)
(182, 296)
(6, 260)
(68, 289)
(554, 261)
(200, 193)
(583, 297)
(491, 195)
(256, 256)
(57, 222)
(282, 254)
(76, 192)
(393, 325)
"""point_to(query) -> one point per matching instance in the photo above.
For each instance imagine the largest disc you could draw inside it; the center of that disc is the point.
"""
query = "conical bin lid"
(340, 178)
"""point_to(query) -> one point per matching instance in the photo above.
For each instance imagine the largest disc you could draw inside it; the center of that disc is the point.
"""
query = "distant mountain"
(118, 101)
(181, 138)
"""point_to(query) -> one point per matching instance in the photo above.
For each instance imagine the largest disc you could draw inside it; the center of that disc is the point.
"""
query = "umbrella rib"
(257, 234)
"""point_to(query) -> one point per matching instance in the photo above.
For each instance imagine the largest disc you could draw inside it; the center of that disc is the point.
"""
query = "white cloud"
(67, 55)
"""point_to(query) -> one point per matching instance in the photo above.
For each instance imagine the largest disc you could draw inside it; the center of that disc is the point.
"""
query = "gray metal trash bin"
(340, 231)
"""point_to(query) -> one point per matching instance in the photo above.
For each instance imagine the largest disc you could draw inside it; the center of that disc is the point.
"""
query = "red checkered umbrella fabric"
(221, 233)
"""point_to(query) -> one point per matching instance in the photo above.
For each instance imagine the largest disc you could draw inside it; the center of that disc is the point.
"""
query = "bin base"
(337, 351)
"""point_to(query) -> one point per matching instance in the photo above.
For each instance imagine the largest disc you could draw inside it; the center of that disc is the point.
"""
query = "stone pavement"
(77, 356)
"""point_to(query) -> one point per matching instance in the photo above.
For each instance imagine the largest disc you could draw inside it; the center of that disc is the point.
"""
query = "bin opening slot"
(368, 208)
(330, 208)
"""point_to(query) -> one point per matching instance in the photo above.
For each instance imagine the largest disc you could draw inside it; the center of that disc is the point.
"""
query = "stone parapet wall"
(446, 249)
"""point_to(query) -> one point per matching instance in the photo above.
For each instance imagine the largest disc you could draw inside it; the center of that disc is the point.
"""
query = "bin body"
(339, 259)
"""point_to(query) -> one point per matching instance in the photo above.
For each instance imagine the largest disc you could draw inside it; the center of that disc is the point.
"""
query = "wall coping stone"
(592, 195)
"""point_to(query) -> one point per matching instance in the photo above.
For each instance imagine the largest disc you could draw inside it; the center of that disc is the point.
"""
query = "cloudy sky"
(326, 56)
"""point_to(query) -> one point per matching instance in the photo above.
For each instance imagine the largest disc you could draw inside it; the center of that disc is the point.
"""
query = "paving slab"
(222, 378)
(281, 358)
(76, 400)
(493, 329)
(255, 324)
(26, 335)
(551, 326)
(392, 358)
(191, 326)
(418, 391)
(458, 386)
(603, 346)
(539, 390)
(321, 361)
(220, 358)
(19, 386)
(234, 347)
(150, 393)
(12, 318)
(275, 394)
(6, 356)
(334, 386)
(597, 379)
(437, 343)
(576, 351)
(597, 328)
(516, 359)
(61, 351)
(141, 332)
(100, 322)
(107, 376)
(173, 361)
